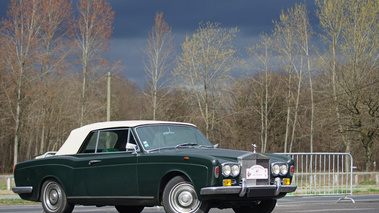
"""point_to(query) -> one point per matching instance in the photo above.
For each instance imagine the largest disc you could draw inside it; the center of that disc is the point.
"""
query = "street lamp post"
(109, 97)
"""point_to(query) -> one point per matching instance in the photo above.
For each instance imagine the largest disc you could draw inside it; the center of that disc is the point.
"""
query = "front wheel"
(179, 196)
(265, 206)
(54, 198)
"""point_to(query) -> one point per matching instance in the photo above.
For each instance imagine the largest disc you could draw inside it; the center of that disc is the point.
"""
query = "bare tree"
(264, 88)
(351, 29)
(19, 37)
(333, 22)
(304, 32)
(286, 39)
(159, 51)
(206, 60)
(52, 56)
(360, 49)
(93, 30)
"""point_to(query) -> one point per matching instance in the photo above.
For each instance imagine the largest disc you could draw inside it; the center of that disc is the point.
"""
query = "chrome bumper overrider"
(22, 189)
(251, 191)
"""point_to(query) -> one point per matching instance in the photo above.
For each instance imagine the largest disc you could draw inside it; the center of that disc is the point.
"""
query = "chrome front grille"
(252, 159)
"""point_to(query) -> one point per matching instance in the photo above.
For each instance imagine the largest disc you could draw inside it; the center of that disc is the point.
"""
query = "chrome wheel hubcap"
(183, 198)
(52, 197)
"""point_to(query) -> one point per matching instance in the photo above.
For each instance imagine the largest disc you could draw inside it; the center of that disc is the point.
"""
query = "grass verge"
(366, 191)
(15, 202)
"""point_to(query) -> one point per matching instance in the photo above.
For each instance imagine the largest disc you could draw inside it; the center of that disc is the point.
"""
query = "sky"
(135, 18)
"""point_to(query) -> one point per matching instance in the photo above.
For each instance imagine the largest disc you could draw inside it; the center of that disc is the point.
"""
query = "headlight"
(283, 169)
(275, 169)
(235, 170)
(226, 170)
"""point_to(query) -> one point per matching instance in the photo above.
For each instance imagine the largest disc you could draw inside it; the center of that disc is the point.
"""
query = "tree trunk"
(18, 117)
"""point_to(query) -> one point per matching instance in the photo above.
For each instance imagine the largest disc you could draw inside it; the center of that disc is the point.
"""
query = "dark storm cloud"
(135, 18)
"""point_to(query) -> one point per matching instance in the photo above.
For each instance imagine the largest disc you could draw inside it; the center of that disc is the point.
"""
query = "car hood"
(222, 155)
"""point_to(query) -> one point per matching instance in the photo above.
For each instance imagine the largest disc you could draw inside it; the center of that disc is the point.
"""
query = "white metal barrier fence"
(322, 173)
(9, 181)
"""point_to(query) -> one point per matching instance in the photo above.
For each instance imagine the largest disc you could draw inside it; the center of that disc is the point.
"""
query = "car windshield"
(168, 136)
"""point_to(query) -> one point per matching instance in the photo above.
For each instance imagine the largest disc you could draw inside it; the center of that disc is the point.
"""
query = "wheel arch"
(43, 180)
(166, 178)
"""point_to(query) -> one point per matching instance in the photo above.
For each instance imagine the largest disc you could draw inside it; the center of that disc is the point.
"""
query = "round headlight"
(283, 169)
(235, 170)
(275, 169)
(226, 170)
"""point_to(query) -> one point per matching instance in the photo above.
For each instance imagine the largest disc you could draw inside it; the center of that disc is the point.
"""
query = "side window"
(105, 141)
(89, 145)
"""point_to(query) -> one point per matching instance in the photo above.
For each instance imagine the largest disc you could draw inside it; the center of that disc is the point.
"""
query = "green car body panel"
(137, 177)
(123, 178)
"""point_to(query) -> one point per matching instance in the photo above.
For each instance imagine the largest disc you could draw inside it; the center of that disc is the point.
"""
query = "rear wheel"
(54, 198)
(129, 209)
(179, 196)
(265, 206)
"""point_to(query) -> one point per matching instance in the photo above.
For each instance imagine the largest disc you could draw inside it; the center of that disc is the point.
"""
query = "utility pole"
(109, 97)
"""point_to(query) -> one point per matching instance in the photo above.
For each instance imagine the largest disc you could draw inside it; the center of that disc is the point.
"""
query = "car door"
(109, 169)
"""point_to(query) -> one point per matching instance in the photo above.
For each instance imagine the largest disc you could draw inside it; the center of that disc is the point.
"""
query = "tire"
(129, 209)
(54, 199)
(265, 206)
(179, 196)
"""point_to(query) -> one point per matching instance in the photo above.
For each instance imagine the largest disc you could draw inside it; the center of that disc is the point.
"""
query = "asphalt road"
(311, 204)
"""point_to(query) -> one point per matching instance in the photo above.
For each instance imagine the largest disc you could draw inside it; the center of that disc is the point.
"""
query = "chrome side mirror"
(130, 146)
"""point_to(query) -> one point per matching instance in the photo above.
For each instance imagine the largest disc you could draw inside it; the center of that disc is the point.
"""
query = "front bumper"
(250, 191)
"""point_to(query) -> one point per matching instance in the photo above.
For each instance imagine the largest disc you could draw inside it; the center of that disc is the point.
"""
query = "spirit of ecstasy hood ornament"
(255, 146)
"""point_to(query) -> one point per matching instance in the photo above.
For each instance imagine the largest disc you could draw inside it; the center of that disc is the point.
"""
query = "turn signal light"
(286, 181)
(227, 182)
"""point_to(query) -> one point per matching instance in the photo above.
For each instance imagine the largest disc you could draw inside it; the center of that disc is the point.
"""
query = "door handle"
(93, 162)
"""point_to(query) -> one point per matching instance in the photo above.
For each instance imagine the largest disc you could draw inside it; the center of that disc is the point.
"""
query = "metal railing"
(9, 179)
(322, 173)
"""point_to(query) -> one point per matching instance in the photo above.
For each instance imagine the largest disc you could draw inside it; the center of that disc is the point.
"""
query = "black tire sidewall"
(166, 193)
(66, 207)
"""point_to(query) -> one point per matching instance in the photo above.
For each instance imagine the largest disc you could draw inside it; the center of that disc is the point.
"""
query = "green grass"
(367, 182)
(4, 191)
(15, 202)
(368, 191)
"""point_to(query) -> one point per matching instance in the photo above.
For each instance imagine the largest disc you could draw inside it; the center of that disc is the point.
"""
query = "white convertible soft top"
(75, 139)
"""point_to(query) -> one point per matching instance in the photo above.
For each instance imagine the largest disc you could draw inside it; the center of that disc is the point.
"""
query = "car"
(137, 164)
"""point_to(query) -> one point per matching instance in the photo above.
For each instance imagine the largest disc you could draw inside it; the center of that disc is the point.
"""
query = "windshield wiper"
(185, 144)
(205, 146)
(170, 147)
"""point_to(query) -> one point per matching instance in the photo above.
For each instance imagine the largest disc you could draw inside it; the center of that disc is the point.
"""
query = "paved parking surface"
(311, 204)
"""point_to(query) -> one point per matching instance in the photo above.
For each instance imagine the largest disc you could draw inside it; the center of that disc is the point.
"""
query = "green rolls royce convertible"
(137, 164)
